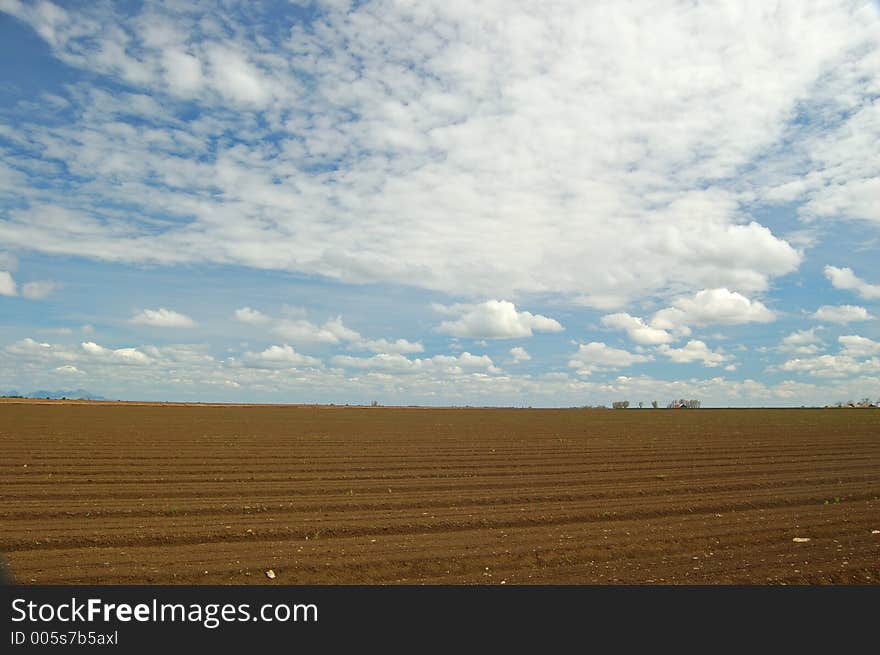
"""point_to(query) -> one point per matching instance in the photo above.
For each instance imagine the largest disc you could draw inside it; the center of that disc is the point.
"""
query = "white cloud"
(845, 278)
(712, 307)
(7, 284)
(637, 330)
(495, 319)
(802, 337)
(841, 314)
(399, 346)
(694, 351)
(596, 356)
(395, 379)
(335, 332)
(235, 77)
(279, 357)
(342, 333)
(119, 355)
(39, 289)
(163, 318)
(442, 365)
(31, 349)
(187, 354)
(519, 355)
(839, 176)
(803, 342)
(303, 331)
(36, 290)
(183, 72)
(596, 152)
(832, 366)
(857, 346)
(69, 369)
(251, 316)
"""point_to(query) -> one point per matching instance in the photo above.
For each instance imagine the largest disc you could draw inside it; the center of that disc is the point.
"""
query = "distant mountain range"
(71, 394)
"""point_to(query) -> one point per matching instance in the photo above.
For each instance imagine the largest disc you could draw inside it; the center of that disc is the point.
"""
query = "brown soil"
(139, 493)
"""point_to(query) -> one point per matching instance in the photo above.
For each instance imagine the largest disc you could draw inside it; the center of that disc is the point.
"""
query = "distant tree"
(654, 404)
(375, 403)
(641, 404)
(681, 402)
(620, 404)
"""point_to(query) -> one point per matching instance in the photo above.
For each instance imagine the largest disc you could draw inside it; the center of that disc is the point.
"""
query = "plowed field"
(129, 493)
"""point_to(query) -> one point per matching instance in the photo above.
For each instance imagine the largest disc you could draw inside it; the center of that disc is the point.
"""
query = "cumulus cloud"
(131, 356)
(39, 289)
(251, 316)
(637, 330)
(694, 351)
(858, 356)
(857, 346)
(163, 318)
(444, 378)
(333, 331)
(7, 284)
(803, 342)
(845, 278)
(712, 307)
(519, 355)
(841, 314)
(596, 355)
(30, 349)
(495, 319)
(283, 356)
(832, 366)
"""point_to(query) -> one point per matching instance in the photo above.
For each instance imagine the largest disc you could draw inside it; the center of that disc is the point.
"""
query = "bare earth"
(139, 493)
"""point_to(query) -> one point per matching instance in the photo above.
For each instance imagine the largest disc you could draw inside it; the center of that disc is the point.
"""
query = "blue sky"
(440, 202)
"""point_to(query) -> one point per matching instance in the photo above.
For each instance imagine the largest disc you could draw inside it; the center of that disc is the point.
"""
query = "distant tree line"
(675, 404)
(681, 403)
(864, 402)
